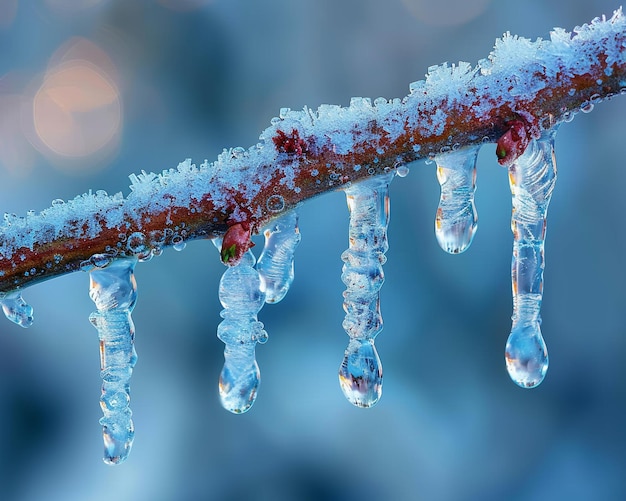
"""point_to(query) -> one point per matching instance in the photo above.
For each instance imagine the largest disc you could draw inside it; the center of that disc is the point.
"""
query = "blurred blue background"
(94, 90)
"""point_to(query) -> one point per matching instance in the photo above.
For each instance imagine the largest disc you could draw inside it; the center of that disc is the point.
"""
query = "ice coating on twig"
(361, 372)
(275, 265)
(456, 220)
(114, 291)
(16, 309)
(241, 296)
(532, 177)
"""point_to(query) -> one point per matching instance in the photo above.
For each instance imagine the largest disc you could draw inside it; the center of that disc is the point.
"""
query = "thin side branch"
(307, 153)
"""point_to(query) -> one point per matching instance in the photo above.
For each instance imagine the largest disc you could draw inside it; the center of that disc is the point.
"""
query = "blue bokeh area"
(167, 80)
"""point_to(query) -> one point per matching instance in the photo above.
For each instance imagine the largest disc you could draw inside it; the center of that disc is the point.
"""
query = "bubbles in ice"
(114, 291)
(16, 309)
(241, 296)
(275, 264)
(360, 374)
(532, 178)
(275, 203)
(456, 220)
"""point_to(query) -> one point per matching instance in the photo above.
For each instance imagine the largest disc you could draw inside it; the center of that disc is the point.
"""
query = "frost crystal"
(275, 264)
(456, 219)
(361, 372)
(114, 291)
(241, 296)
(532, 177)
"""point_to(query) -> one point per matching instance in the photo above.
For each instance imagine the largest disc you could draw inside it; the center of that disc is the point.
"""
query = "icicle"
(456, 220)
(361, 373)
(532, 177)
(114, 291)
(241, 296)
(275, 265)
(17, 310)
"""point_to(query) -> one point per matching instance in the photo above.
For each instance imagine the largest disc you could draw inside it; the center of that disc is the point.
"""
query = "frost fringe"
(306, 153)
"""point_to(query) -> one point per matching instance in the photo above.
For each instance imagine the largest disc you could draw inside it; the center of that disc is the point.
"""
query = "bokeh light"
(77, 109)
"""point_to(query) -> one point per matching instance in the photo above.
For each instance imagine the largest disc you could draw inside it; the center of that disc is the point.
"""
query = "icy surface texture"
(17, 310)
(114, 291)
(241, 296)
(361, 372)
(532, 177)
(275, 265)
(456, 219)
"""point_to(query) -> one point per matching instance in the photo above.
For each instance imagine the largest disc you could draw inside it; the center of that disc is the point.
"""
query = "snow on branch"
(523, 87)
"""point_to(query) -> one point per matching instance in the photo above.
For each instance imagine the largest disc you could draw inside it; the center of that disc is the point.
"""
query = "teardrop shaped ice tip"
(17, 310)
(361, 373)
(118, 440)
(526, 356)
(238, 388)
(455, 237)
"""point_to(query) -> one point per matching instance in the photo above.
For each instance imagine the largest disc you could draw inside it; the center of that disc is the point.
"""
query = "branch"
(307, 153)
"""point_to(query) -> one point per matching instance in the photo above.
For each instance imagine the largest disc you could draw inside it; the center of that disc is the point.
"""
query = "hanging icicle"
(456, 219)
(361, 372)
(241, 296)
(275, 265)
(114, 291)
(532, 177)
(17, 310)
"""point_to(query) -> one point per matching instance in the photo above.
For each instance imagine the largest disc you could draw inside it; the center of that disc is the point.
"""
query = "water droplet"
(361, 373)
(275, 203)
(238, 387)
(284, 112)
(136, 243)
(568, 116)
(380, 101)
(402, 170)
(100, 260)
(178, 243)
(58, 201)
(587, 107)
(238, 152)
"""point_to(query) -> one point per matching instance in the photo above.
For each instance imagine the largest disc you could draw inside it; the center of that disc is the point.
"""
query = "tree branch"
(307, 153)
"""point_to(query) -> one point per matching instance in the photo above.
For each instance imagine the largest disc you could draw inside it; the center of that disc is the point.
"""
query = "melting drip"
(456, 219)
(17, 310)
(275, 264)
(361, 374)
(532, 177)
(241, 296)
(114, 291)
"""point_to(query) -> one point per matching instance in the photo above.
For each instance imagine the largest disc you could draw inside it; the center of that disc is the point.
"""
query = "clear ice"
(275, 265)
(114, 291)
(456, 219)
(241, 296)
(532, 177)
(361, 372)
(17, 310)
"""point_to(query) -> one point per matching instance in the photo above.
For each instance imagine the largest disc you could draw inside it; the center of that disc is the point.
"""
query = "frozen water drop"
(283, 113)
(456, 219)
(587, 107)
(361, 373)
(241, 296)
(275, 203)
(532, 178)
(275, 264)
(17, 310)
(114, 291)
(526, 355)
